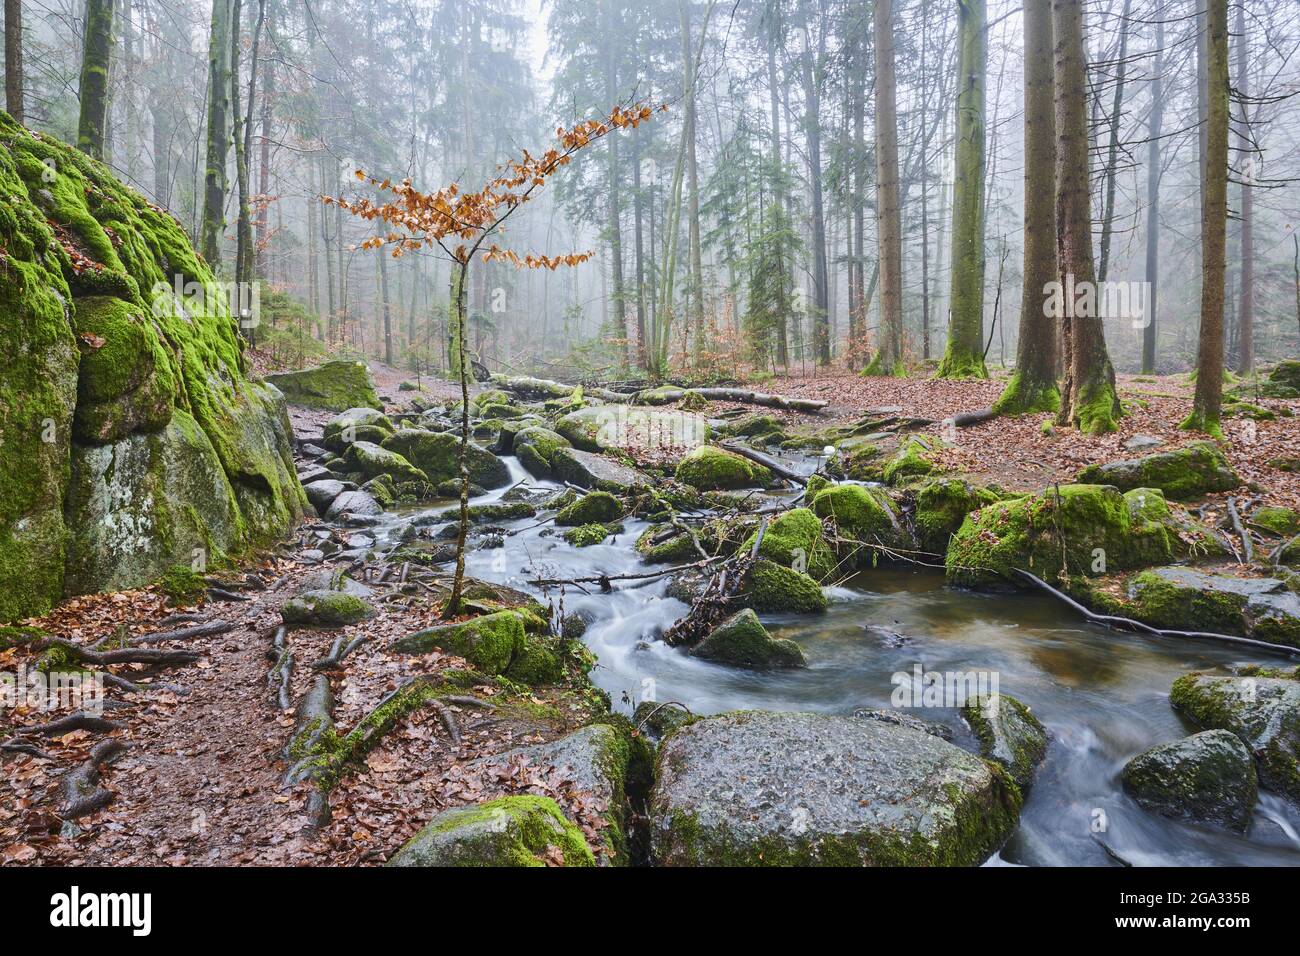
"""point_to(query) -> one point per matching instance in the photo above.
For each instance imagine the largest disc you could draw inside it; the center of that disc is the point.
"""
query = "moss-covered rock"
(942, 505)
(758, 426)
(1091, 529)
(488, 642)
(356, 424)
(713, 469)
(182, 585)
(632, 429)
(742, 641)
(535, 447)
(120, 345)
(795, 540)
(593, 507)
(1264, 712)
(1208, 777)
(325, 608)
(1189, 472)
(1185, 599)
(334, 386)
(913, 459)
(435, 454)
(1277, 520)
(590, 470)
(1008, 734)
(538, 659)
(860, 513)
(823, 791)
(510, 831)
(372, 460)
(776, 589)
(584, 536)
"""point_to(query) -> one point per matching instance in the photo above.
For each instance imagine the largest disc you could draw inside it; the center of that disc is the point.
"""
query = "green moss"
(1187, 472)
(371, 461)
(942, 506)
(538, 659)
(325, 609)
(334, 386)
(795, 540)
(509, 831)
(586, 535)
(436, 454)
(912, 460)
(1277, 520)
(182, 585)
(534, 448)
(712, 469)
(775, 588)
(593, 507)
(743, 641)
(859, 512)
(489, 642)
(1019, 398)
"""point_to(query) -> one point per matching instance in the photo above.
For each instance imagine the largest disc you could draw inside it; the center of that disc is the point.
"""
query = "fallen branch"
(186, 634)
(1125, 623)
(605, 578)
(82, 793)
(966, 419)
(742, 395)
(1237, 526)
(313, 725)
(768, 462)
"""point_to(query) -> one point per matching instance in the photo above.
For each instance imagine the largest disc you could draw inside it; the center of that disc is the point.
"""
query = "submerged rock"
(1008, 734)
(742, 641)
(1263, 711)
(764, 789)
(334, 386)
(1188, 472)
(510, 831)
(1208, 777)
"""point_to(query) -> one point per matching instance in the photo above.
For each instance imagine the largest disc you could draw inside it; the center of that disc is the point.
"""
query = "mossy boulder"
(1283, 380)
(538, 659)
(1008, 734)
(325, 608)
(632, 429)
(590, 470)
(584, 536)
(334, 386)
(860, 513)
(1277, 520)
(795, 540)
(1207, 777)
(182, 585)
(913, 459)
(758, 426)
(942, 505)
(356, 424)
(372, 460)
(755, 788)
(1264, 712)
(1189, 472)
(1090, 528)
(1185, 599)
(435, 454)
(510, 831)
(535, 447)
(713, 469)
(489, 642)
(121, 345)
(594, 506)
(742, 641)
(599, 761)
(776, 589)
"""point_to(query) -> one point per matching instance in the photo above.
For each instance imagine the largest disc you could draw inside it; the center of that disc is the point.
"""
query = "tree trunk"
(1112, 149)
(385, 305)
(214, 178)
(14, 59)
(813, 132)
(1089, 400)
(1154, 125)
(889, 234)
(638, 253)
(1246, 313)
(1208, 401)
(782, 330)
(1033, 386)
(97, 55)
(618, 306)
(695, 285)
(964, 355)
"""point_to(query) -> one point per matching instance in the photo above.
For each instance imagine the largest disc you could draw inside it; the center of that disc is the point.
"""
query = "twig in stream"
(1124, 623)
(602, 578)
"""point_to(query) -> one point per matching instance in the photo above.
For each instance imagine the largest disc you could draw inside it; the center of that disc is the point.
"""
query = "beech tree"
(888, 359)
(220, 49)
(97, 55)
(14, 58)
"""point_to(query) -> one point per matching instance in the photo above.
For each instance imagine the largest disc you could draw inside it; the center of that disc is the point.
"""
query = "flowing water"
(1103, 695)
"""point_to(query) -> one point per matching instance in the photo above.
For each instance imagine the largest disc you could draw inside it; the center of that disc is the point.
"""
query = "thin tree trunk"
(1033, 386)
(14, 59)
(1154, 124)
(1112, 149)
(889, 234)
(695, 285)
(964, 355)
(617, 304)
(1208, 401)
(782, 330)
(96, 57)
(1246, 313)
(813, 132)
(218, 140)
(1089, 400)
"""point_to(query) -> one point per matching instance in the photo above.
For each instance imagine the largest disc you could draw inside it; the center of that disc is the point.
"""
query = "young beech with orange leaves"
(460, 224)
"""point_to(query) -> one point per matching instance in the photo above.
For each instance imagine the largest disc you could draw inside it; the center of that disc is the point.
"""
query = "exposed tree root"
(81, 792)
(338, 651)
(121, 683)
(313, 728)
(1248, 546)
(186, 633)
(24, 747)
(127, 655)
(81, 720)
(221, 594)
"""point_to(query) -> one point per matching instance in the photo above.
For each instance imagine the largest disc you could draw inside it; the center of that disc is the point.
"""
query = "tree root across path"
(81, 792)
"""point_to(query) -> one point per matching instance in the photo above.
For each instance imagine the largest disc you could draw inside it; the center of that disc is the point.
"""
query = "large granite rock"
(1188, 472)
(1185, 599)
(590, 470)
(633, 429)
(764, 789)
(509, 831)
(1207, 777)
(334, 386)
(436, 454)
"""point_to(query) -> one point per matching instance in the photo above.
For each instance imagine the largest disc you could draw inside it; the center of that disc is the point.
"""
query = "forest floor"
(202, 779)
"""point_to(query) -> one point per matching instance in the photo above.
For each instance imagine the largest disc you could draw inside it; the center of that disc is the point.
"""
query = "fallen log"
(1126, 623)
(741, 395)
(767, 461)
